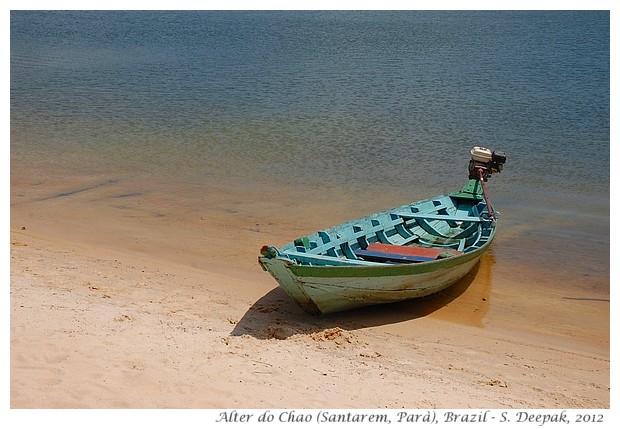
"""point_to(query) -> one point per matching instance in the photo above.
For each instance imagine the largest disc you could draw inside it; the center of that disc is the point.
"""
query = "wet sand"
(128, 296)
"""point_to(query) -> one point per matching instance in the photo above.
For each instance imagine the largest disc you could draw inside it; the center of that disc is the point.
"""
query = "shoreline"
(102, 329)
(127, 296)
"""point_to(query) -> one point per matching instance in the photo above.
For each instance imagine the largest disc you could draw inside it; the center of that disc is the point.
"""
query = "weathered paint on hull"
(320, 290)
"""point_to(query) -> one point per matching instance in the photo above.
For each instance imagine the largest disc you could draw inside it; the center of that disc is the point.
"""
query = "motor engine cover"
(484, 162)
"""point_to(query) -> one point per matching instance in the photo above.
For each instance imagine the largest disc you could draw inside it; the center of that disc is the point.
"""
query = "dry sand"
(127, 306)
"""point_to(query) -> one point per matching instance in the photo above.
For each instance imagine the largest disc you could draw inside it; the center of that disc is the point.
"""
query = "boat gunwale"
(382, 269)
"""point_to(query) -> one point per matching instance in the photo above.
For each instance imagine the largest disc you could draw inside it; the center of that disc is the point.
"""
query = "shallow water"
(312, 118)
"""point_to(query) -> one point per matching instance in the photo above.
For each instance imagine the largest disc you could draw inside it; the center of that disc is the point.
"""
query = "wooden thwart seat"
(452, 218)
(380, 252)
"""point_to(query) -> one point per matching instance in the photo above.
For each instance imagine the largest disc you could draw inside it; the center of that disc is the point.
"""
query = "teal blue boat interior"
(458, 221)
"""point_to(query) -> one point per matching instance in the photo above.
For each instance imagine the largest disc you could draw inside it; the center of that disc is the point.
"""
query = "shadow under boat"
(275, 315)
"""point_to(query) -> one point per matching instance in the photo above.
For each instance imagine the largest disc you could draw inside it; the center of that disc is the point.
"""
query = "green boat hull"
(330, 294)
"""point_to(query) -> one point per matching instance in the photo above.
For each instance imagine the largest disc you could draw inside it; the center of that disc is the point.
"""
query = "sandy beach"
(120, 298)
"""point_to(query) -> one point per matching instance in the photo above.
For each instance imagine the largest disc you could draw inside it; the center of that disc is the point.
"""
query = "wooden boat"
(409, 251)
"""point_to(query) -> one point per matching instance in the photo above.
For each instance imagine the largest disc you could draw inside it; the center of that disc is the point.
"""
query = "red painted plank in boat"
(427, 252)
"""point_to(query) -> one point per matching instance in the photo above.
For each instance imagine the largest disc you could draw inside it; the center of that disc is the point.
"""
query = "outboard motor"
(485, 162)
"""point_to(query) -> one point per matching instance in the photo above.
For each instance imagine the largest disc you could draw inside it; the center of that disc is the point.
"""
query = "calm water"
(385, 103)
